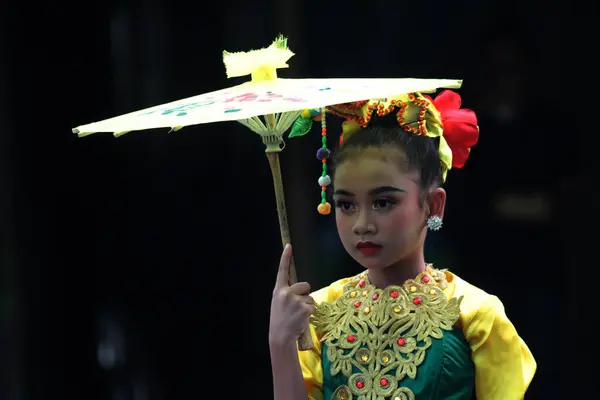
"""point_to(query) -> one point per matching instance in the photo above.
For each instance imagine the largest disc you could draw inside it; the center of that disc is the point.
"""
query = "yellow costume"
(503, 364)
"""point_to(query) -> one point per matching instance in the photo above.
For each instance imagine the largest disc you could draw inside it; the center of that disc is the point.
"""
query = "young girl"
(403, 329)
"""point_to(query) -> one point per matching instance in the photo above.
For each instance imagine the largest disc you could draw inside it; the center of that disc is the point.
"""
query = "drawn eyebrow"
(376, 191)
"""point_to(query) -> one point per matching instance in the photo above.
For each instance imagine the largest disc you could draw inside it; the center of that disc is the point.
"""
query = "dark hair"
(420, 152)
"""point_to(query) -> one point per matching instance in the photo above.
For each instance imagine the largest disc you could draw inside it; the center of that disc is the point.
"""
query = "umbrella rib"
(286, 119)
(254, 124)
(282, 122)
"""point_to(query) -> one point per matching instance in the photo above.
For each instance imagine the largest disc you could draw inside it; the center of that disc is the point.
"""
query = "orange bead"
(324, 188)
(324, 208)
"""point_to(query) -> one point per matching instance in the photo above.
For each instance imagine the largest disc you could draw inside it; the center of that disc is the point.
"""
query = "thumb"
(283, 275)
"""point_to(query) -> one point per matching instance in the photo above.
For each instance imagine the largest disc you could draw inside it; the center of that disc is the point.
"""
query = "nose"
(363, 225)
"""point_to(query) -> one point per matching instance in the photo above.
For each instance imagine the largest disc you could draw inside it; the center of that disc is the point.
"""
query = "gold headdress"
(416, 113)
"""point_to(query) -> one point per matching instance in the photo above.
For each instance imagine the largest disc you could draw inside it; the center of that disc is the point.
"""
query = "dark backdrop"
(141, 267)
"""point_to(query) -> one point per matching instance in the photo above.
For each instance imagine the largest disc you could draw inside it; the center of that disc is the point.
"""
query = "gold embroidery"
(384, 333)
(342, 393)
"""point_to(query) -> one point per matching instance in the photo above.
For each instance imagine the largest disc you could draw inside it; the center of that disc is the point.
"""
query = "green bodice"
(397, 343)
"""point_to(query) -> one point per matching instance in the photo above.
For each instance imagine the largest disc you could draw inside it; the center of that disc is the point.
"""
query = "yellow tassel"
(262, 64)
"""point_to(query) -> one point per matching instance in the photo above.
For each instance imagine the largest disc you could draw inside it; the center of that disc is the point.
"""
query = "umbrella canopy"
(264, 95)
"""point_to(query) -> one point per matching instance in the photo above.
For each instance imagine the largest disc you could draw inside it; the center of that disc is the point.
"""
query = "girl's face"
(379, 214)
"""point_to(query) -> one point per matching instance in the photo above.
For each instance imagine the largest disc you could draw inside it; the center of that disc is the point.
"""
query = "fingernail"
(287, 245)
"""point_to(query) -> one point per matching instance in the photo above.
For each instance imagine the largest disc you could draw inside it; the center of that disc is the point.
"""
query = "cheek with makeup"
(378, 215)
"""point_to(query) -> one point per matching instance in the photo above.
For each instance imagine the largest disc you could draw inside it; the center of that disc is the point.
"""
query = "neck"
(398, 273)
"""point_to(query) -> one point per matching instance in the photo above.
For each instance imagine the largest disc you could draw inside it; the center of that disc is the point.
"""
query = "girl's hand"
(291, 306)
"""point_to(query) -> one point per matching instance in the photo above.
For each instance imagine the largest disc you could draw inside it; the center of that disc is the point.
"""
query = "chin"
(370, 262)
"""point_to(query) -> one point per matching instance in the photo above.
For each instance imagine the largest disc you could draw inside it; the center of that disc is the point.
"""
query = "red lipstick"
(368, 248)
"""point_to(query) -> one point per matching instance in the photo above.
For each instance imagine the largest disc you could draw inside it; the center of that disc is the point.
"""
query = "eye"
(384, 204)
(344, 206)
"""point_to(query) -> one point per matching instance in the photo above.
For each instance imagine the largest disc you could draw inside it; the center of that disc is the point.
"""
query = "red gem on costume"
(375, 296)
(351, 338)
(425, 279)
(361, 283)
(357, 304)
(417, 300)
(360, 384)
(384, 382)
(401, 342)
(394, 294)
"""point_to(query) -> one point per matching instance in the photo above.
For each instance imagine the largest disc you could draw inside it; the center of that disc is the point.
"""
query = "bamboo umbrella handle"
(304, 341)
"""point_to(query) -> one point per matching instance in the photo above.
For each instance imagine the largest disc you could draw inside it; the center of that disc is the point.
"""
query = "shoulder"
(481, 313)
(475, 301)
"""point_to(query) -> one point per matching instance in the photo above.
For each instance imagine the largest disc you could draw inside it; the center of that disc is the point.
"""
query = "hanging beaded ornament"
(300, 128)
(323, 155)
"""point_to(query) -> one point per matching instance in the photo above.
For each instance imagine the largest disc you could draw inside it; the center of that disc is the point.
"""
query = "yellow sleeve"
(311, 360)
(312, 368)
(504, 366)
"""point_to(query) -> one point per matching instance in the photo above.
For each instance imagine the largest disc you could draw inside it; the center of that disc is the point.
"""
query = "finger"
(310, 309)
(309, 300)
(283, 274)
(300, 288)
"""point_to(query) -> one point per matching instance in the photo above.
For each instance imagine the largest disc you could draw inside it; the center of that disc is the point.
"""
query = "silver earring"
(434, 223)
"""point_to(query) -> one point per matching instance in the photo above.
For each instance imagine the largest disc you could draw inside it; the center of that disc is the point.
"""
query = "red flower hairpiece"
(460, 126)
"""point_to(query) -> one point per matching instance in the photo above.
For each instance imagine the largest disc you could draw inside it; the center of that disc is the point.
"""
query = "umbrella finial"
(261, 64)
